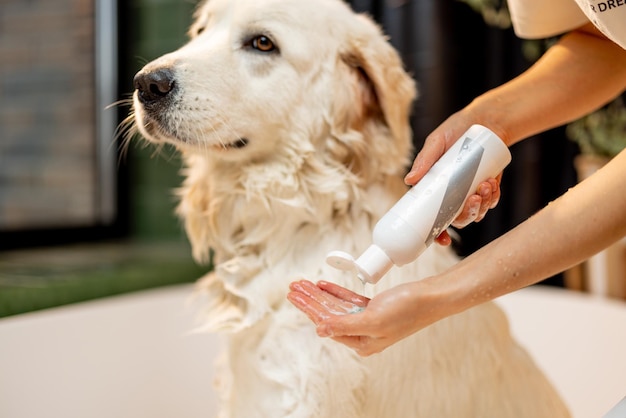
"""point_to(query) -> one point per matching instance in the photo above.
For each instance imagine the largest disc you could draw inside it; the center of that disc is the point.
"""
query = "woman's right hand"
(436, 144)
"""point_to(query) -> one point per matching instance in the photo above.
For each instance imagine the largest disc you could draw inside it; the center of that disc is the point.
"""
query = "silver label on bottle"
(465, 168)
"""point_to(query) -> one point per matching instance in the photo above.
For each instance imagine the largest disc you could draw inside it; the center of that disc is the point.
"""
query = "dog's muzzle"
(155, 87)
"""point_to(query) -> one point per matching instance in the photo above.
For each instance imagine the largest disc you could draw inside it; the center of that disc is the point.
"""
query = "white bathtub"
(132, 357)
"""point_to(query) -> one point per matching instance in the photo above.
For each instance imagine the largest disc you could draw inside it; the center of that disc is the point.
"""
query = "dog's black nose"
(153, 86)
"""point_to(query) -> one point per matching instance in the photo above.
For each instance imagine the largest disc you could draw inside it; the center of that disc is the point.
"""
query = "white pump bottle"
(430, 206)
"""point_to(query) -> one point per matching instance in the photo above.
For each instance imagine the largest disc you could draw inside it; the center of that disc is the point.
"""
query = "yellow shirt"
(544, 18)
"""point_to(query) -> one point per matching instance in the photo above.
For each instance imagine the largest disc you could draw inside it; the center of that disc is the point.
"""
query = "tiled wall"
(47, 154)
(48, 161)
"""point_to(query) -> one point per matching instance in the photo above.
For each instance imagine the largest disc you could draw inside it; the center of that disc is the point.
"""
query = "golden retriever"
(292, 118)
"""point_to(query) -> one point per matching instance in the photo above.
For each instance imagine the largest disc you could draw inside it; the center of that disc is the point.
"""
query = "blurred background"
(83, 216)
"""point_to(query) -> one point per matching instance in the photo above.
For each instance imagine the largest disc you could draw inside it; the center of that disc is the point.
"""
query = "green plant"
(494, 12)
(602, 132)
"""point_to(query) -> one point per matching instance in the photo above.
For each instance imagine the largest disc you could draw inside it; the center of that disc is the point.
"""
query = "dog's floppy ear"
(386, 91)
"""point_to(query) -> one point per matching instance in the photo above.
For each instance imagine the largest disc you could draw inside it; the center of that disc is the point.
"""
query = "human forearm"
(586, 219)
(583, 71)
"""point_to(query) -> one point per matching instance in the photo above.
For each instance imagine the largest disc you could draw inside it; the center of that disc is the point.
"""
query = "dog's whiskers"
(126, 130)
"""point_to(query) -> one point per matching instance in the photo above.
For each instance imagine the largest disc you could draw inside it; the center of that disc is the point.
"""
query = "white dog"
(293, 119)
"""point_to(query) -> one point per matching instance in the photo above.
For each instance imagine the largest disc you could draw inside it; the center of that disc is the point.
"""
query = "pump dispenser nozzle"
(429, 207)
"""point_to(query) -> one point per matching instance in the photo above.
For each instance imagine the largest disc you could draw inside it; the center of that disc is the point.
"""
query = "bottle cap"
(369, 267)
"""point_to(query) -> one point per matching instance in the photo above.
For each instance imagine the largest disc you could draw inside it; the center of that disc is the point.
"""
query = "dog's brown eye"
(263, 44)
(195, 31)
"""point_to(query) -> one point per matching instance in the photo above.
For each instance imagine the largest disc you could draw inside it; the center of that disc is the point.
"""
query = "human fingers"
(470, 211)
(313, 310)
(476, 206)
(489, 191)
(343, 293)
(496, 193)
(444, 239)
(434, 147)
(317, 298)
(355, 332)
(436, 144)
(334, 325)
(485, 191)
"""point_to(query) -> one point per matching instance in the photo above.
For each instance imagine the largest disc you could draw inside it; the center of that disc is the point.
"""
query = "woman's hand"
(436, 144)
(367, 326)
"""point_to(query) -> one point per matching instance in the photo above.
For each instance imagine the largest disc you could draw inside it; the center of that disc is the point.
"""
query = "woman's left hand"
(366, 325)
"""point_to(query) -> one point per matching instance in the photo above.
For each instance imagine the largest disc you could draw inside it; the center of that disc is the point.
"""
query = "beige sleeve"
(534, 19)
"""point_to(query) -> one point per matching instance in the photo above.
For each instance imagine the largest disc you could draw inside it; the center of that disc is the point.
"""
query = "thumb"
(432, 150)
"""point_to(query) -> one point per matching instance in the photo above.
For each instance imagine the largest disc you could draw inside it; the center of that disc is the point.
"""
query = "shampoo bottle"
(429, 207)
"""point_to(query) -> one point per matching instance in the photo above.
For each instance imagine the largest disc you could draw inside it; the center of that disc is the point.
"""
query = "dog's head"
(287, 113)
(262, 80)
